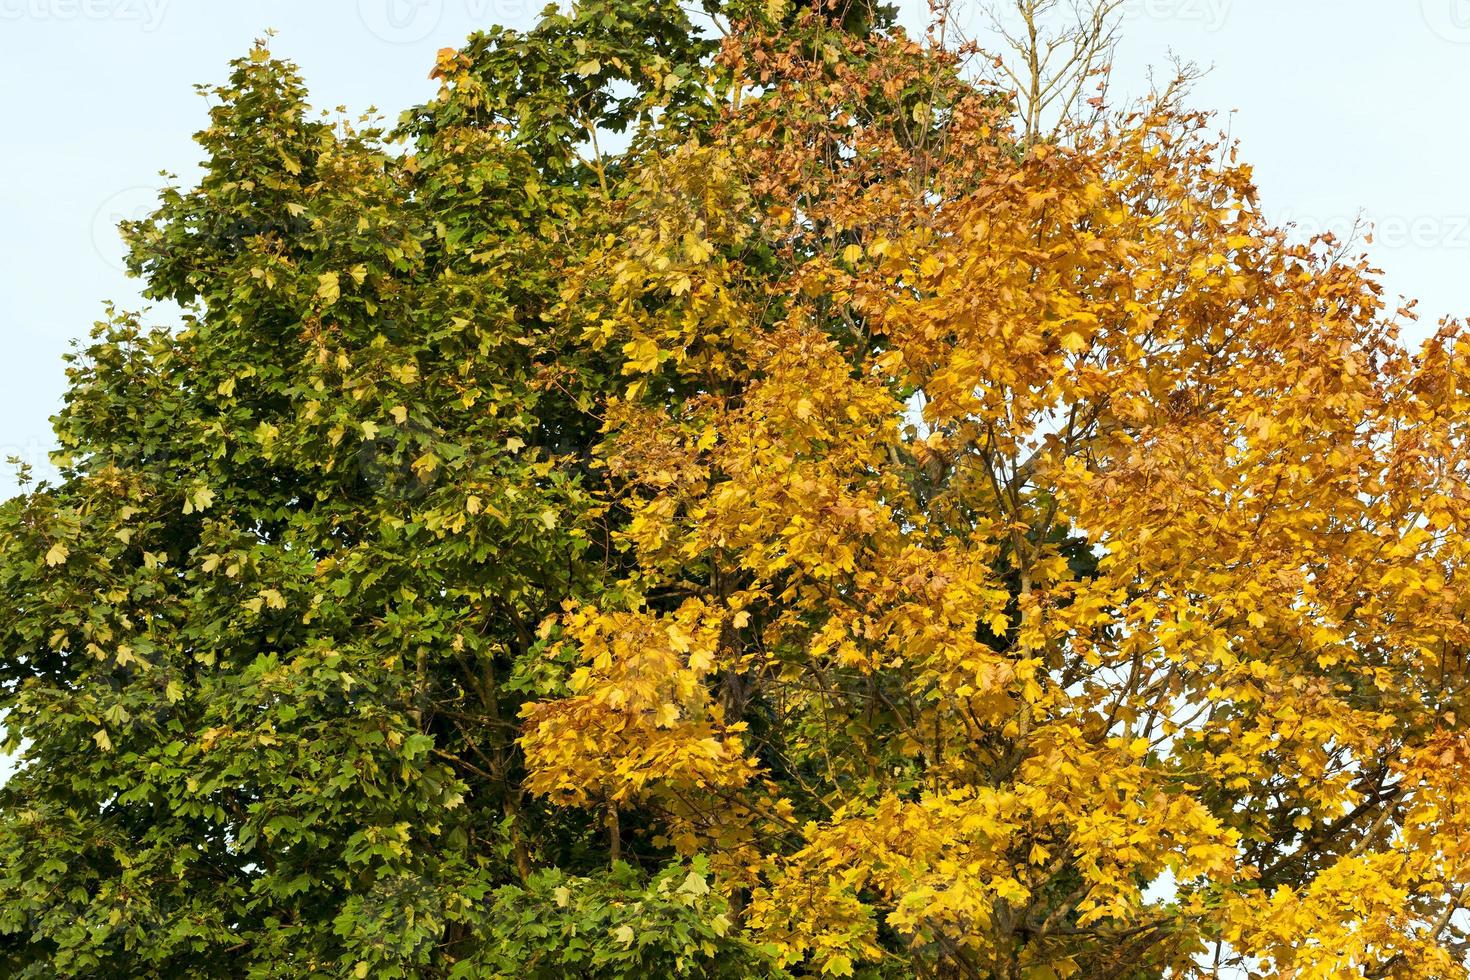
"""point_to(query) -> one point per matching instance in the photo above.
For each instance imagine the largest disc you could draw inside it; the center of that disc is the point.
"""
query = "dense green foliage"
(265, 657)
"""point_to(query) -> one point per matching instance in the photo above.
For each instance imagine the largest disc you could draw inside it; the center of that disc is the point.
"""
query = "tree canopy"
(737, 496)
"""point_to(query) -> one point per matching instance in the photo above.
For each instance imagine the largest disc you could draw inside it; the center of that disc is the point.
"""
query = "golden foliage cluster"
(1048, 527)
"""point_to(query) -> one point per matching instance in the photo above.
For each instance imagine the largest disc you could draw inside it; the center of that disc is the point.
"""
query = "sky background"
(1345, 107)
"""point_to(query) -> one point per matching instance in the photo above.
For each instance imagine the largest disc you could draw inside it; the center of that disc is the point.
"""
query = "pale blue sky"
(1343, 105)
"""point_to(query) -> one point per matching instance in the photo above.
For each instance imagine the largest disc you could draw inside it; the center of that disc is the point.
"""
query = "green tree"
(267, 638)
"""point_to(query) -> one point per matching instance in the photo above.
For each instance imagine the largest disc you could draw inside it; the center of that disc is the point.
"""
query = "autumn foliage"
(844, 532)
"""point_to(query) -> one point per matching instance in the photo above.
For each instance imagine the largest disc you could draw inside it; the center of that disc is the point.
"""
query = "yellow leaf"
(329, 288)
(839, 965)
(643, 355)
(198, 500)
(57, 555)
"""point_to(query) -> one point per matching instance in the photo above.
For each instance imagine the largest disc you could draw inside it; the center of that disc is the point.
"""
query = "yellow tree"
(1039, 565)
